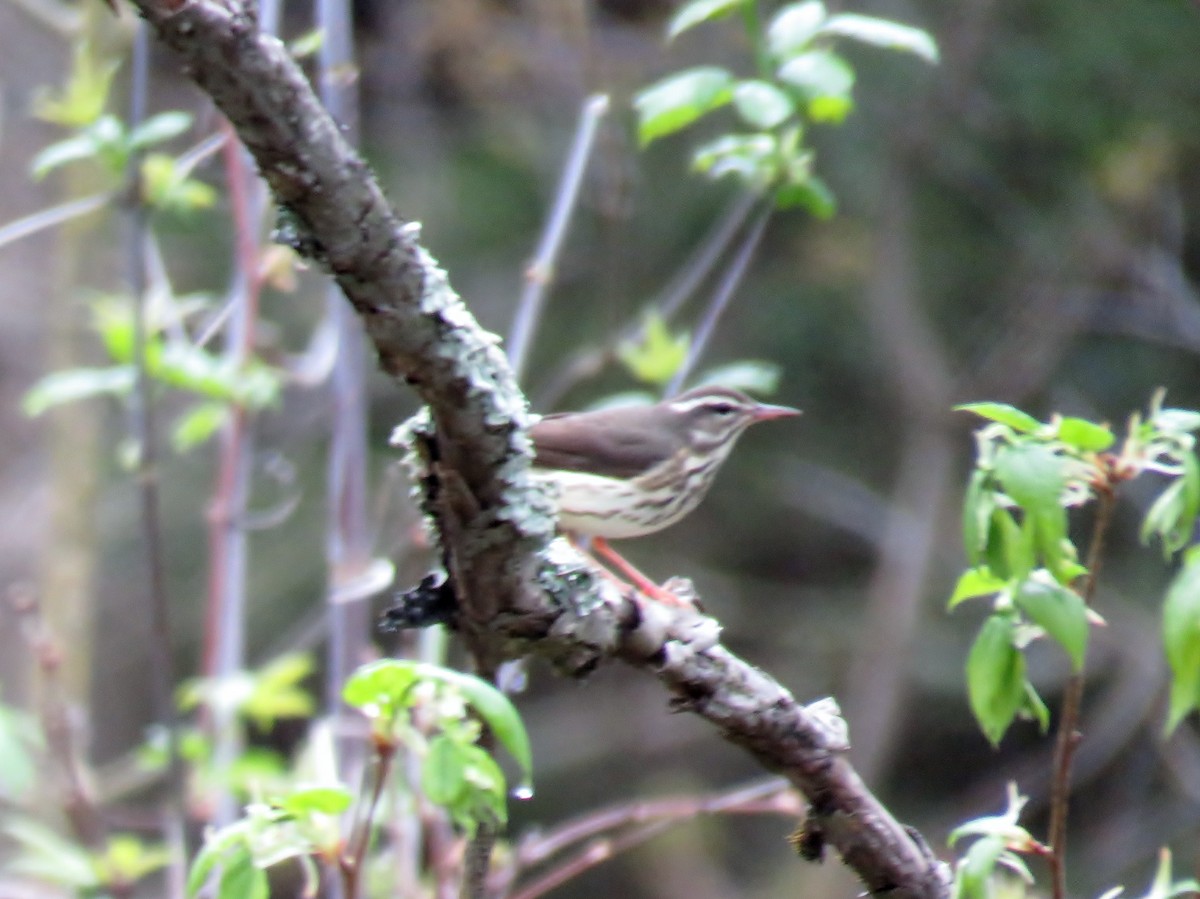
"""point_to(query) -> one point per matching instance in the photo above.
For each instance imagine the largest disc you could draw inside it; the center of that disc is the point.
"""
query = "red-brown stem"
(351, 864)
(1068, 736)
(79, 806)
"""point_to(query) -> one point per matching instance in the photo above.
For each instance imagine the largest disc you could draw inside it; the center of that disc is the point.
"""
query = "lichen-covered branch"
(517, 591)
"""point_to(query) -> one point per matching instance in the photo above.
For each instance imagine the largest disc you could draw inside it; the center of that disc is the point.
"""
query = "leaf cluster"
(801, 79)
(1028, 475)
(215, 382)
(103, 139)
(438, 714)
(1001, 844)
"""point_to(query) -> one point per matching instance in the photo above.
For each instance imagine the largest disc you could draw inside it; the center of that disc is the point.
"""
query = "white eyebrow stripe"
(684, 406)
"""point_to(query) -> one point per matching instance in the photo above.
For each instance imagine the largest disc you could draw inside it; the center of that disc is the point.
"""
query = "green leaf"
(214, 848)
(752, 158)
(1186, 524)
(1057, 610)
(680, 99)
(812, 194)
(276, 691)
(1032, 474)
(56, 155)
(1004, 414)
(20, 736)
(46, 855)
(1004, 826)
(1163, 886)
(442, 777)
(380, 688)
(883, 33)
(974, 873)
(978, 503)
(1162, 518)
(1085, 435)
(657, 355)
(793, 28)
(1178, 421)
(751, 375)
(825, 80)
(166, 186)
(104, 140)
(973, 583)
(1181, 638)
(82, 100)
(1172, 516)
(321, 800)
(76, 384)
(1008, 551)
(198, 424)
(186, 366)
(996, 677)
(241, 878)
(496, 710)
(127, 859)
(697, 11)
(160, 128)
(761, 104)
(1049, 527)
(308, 44)
(1035, 708)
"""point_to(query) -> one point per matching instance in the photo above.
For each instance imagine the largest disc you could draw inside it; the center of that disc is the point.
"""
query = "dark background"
(1016, 224)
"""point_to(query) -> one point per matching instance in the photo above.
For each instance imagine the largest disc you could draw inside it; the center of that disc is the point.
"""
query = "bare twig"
(225, 640)
(589, 361)
(348, 526)
(720, 299)
(1068, 737)
(375, 777)
(775, 796)
(53, 217)
(54, 711)
(639, 822)
(541, 270)
(595, 853)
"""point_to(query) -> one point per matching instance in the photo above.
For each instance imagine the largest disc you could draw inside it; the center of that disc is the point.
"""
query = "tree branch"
(517, 590)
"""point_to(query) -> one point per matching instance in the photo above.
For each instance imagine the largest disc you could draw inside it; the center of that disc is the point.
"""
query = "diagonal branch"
(517, 590)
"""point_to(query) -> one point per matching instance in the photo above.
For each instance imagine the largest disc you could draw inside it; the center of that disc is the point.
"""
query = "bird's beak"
(766, 412)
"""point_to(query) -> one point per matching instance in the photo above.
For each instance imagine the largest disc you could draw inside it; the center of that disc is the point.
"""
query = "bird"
(634, 470)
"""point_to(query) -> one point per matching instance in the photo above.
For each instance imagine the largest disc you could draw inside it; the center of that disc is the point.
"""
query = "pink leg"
(639, 580)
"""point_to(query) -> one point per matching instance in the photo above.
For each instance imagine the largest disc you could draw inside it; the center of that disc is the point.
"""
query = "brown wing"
(616, 443)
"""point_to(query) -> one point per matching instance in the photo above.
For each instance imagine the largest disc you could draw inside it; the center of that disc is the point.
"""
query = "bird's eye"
(722, 408)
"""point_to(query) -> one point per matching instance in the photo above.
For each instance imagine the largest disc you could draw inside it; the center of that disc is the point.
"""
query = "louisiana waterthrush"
(634, 470)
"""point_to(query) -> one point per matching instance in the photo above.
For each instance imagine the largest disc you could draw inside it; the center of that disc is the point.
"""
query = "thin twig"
(52, 217)
(720, 300)
(757, 797)
(162, 646)
(375, 777)
(598, 852)
(348, 535)
(643, 821)
(79, 804)
(667, 302)
(540, 272)
(225, 639)
(1067, 740)
(705, 257)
